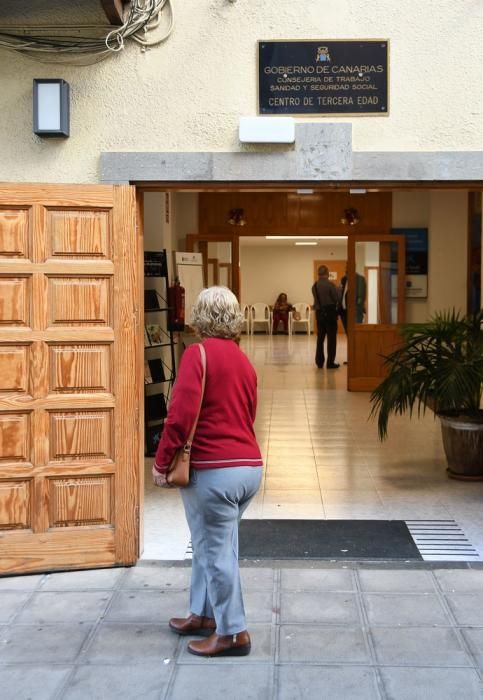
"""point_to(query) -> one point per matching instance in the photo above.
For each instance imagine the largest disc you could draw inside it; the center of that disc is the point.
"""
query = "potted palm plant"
(440, 365)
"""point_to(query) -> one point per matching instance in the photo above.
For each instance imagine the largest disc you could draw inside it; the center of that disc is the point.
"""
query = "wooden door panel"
(369, 342)
(69, 377)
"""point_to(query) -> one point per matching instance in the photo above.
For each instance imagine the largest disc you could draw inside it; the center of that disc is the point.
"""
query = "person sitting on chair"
(281, 310)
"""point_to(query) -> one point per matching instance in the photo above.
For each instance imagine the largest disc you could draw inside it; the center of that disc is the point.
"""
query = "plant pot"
(463, 445)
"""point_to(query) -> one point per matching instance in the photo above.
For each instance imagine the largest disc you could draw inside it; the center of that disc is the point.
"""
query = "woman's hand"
(160, 479)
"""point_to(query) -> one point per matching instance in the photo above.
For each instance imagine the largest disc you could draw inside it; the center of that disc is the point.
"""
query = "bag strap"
(203, 383)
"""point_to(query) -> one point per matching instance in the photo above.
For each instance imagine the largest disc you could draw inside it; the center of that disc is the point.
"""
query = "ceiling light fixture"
(358, 191)
(306, 243)
(304, 191)
(306, 238)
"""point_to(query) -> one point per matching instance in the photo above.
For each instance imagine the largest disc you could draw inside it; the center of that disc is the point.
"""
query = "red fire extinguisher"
(176, 306)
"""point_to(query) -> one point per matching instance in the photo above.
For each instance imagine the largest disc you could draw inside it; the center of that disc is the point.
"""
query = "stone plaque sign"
(323, 77)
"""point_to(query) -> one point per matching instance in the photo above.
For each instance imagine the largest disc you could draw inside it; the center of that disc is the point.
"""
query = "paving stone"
(467, 608)
(327, 683)
(258, 605)
(396, 581)
(263, 648)
(131, 644)
(396, 609)
(317, 580)
(128, 682)
(20, 583)
(240, 682)
(65, 607)
(333, 608)
(474, 638)
(256, 579)
(419, 647)
(31, 682)
(460, 580)
(82, 580)
(10, 604)
(155, 576)
(44, 644)
(148, 606)
(307, 643)
(425, 683)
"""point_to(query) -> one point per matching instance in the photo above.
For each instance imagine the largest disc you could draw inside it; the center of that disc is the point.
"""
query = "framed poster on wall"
(416, 261)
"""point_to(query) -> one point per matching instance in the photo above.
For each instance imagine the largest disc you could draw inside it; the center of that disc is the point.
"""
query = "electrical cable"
(44, 43)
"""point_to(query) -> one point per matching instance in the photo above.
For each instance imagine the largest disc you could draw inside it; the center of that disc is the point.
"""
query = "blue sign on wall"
(416, 260)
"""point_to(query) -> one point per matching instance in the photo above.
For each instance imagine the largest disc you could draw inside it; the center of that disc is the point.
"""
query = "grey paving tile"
(148, 606)
(20, 583)
(10, 604)
(45, 644)
(242, 682)
(418, 647)
(82, 580)
(305, 643)
(317, 580)
(324, 607)
(399, 609)
(256, 579)
(425, 683)
(129, 682)
(474, 638)
(460, 580)
(263, 648)
(65, 606)
(155, 576)
(258, 605)
(327, 683)
(396, 581)
(127, 643)
(31, 683)
(467, 608)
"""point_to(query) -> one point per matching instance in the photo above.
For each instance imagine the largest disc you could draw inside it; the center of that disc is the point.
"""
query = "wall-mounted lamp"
(51, 107)
(351, 217)
(236, 217)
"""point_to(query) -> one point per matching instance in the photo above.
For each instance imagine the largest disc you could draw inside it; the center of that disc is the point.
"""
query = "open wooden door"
(70, 377)
(376, 272)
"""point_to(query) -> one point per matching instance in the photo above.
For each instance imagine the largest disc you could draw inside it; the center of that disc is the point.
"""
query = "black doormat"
(326, 539)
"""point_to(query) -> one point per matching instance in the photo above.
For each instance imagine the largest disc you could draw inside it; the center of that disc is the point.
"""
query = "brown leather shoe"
(194, 624)
(222, 645)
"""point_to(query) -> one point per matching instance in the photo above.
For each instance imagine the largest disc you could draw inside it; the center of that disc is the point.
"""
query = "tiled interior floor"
(323, 456)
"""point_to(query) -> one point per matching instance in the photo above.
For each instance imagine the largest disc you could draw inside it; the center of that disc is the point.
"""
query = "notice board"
(189, 270)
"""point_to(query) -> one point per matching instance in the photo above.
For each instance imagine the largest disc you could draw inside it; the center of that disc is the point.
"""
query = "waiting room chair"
(260, 313)
(305, 317)
(246, 318)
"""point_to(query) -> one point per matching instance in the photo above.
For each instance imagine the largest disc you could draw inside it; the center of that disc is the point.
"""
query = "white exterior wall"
(188, 94)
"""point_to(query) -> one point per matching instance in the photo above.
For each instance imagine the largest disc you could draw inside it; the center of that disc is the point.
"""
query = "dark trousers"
(326, 326)
(277, 317)
(359, 316)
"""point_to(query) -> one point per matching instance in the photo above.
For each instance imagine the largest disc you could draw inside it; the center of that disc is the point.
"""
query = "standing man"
(326, 298)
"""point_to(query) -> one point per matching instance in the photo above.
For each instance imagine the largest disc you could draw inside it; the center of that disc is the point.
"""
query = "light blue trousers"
(214, 503)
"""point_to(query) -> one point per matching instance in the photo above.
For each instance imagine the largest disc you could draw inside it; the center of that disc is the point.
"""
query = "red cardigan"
(224, 435)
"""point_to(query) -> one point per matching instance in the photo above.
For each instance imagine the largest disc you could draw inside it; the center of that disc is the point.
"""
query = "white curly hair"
(216, 314)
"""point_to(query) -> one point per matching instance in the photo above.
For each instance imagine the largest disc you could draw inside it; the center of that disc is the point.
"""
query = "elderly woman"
(280, 312)
(226, 470)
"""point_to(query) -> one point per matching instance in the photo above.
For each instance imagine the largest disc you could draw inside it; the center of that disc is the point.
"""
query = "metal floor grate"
(442, 540)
